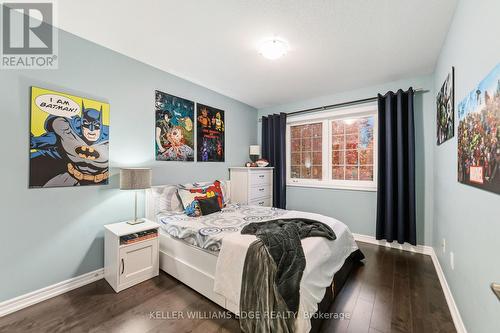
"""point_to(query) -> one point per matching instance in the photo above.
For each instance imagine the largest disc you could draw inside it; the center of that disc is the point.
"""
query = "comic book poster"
(174, 138)
(479, 135)
(445, 103)
(210, 137)
(69, 140)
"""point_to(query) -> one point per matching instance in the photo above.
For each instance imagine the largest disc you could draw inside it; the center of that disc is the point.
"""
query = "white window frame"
(326, 117)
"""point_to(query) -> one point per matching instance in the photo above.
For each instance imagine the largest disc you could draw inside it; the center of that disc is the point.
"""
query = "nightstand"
(130, 253)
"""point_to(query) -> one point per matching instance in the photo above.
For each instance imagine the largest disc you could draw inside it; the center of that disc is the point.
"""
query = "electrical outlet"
(452, 261)
(443, 245)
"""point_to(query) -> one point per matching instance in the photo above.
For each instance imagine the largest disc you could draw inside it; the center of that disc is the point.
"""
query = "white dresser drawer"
(260, 178)
(260, 191)
(265, 202)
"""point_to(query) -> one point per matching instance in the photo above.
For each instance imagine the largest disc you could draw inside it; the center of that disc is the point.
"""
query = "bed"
(195, 250)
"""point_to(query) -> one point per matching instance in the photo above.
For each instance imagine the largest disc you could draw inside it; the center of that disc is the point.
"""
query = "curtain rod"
(338, 105)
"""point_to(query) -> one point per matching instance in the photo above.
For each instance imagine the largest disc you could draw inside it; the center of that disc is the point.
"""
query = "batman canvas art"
(72, 151)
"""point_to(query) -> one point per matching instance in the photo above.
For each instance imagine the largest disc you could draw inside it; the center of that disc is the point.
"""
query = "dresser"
(252, 186)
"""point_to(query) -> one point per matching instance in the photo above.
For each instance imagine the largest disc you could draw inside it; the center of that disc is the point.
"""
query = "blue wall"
(467, 217)
(357, 209)
(50, 235)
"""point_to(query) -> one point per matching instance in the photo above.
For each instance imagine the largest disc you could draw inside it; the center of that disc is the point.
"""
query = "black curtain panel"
(273, 150)
(396, 168)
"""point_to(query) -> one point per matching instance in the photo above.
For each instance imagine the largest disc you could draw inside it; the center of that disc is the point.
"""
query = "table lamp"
(135, 179)
(254, 152)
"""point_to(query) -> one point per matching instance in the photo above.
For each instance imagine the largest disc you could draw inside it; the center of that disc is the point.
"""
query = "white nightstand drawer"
(265, 202)
(260, 191)
(260, 178)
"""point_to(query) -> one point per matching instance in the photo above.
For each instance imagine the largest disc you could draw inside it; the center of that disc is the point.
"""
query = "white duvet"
(323, 259)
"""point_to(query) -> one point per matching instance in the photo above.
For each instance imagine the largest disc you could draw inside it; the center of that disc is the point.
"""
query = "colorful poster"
(69, 142)
(445, 103)
(479, 135)
(210, 135)
(174, 138)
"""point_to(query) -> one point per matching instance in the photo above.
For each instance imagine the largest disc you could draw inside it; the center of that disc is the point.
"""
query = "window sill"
(336, 187)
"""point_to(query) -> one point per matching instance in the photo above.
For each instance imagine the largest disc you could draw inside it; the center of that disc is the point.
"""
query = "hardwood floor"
(394, 291)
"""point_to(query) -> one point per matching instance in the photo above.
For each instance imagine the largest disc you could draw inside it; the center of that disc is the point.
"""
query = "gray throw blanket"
(274, 264)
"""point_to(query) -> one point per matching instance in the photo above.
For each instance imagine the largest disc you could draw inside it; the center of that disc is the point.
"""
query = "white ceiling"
(336, 45)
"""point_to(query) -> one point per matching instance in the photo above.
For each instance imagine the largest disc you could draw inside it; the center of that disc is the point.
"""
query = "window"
(336, 149)
(306, 158)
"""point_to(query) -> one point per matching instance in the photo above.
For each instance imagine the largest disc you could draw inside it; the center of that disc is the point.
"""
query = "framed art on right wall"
(479, 135)
(445, 113)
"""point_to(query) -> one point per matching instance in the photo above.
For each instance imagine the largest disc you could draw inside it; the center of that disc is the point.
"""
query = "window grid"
(306, 143)
(346, 148)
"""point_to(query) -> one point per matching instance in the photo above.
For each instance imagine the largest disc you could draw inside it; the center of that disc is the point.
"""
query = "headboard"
(150, 205)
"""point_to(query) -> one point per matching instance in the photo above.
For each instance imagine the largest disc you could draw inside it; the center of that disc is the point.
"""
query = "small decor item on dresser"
(254, 152)
(262, 162)
(135, 179)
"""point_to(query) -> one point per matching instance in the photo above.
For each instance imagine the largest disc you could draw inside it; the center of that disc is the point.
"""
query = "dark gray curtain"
(396, 168)
(273, 150)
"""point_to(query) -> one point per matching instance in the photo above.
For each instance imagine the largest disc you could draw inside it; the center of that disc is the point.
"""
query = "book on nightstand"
(138, 237)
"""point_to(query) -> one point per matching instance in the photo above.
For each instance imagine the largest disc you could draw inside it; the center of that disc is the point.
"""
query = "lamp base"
(138, 221)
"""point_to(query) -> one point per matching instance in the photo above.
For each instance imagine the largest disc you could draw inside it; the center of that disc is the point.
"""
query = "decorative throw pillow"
(209, 206)
(190, 196)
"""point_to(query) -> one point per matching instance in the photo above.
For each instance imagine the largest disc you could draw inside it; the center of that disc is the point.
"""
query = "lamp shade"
(255, 150)
(135, 179)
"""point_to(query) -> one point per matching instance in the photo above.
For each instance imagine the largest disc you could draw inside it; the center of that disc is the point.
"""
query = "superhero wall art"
(174, 132)
(69, 140)
(445, 103)
(210, 133)
(479, 135)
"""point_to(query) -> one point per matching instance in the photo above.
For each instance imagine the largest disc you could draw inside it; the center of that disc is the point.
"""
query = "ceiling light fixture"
(273, 48)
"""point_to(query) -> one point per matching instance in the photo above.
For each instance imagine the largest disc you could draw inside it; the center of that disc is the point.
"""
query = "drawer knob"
(261, 176)
(261, 189)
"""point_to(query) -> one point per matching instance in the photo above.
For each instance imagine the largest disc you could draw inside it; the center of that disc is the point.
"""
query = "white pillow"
(166, 199)
(226, 193)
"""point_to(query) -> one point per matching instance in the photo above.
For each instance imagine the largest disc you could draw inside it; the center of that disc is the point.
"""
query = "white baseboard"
(40, 295)
(423, 249)
(455, 314)
(427, 250)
